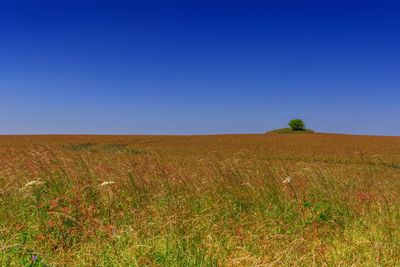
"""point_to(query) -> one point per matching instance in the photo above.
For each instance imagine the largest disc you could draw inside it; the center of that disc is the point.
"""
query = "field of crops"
(227, 200)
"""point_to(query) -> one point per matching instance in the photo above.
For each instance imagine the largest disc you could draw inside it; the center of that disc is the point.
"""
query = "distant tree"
(297, 125)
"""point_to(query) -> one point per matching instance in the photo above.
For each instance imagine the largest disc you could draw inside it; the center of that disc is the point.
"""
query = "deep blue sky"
(186, 67)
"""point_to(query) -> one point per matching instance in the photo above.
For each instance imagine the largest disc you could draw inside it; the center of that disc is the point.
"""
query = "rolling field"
(227, 200)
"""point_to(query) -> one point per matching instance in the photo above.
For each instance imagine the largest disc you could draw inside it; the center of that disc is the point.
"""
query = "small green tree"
(297, 125)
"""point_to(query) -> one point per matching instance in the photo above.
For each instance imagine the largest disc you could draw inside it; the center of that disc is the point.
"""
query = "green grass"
(289, 131)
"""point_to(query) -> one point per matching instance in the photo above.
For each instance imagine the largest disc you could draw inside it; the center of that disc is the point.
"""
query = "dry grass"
(199, 200)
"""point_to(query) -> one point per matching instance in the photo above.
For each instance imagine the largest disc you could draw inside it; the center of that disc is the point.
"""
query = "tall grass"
(230, 204)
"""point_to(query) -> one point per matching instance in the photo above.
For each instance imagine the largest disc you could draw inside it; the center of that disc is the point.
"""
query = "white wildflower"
(249, 185)
(107, 183)
(34, 182)
(287, 180)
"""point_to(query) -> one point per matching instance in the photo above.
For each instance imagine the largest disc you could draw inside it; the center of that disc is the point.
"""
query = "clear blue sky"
(187, 67)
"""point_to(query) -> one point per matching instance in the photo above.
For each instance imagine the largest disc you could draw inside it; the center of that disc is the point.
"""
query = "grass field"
(228, 200)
